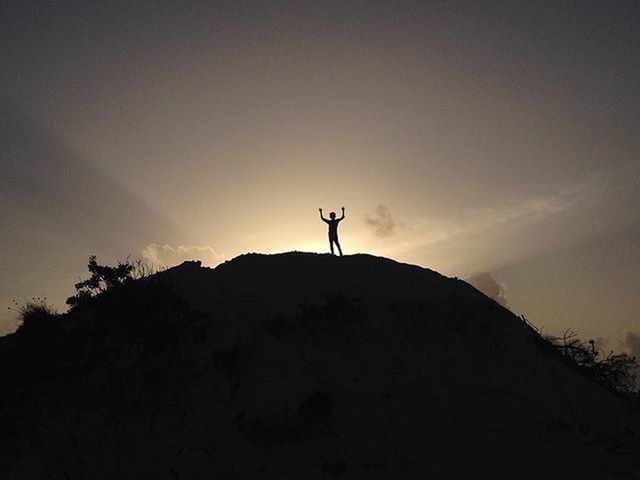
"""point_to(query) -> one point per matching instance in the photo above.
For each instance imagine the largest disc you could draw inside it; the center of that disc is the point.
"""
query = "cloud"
(631, 344)
(485, 282)
(510, 227)
(168, 256)
(382, 223)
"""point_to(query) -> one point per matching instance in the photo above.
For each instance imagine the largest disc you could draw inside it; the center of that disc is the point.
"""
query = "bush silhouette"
(117, 309)
(104, 278)
(617, 371)
(35, 316)
(127, 304)
(40, 335)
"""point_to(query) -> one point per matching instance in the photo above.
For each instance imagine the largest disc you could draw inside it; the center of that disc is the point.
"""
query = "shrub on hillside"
(127, 304)
(117, 309)
(35, 315)
(617, 371)
(40, 337)
(104, 278)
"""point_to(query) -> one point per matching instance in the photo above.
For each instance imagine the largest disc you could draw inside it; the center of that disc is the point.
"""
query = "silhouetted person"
(333, 229)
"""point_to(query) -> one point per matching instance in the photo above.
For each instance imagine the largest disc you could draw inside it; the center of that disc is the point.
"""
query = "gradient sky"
(461, 136)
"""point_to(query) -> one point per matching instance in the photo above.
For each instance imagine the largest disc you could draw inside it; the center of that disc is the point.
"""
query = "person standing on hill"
(333, 222)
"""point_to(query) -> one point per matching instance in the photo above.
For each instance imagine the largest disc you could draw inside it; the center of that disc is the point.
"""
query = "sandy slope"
(311, 366)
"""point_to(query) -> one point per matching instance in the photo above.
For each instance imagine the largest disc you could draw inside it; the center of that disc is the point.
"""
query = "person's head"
(332, 215)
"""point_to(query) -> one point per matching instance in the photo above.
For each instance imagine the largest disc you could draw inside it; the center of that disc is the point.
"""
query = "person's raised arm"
(342, 217)
(321, 216)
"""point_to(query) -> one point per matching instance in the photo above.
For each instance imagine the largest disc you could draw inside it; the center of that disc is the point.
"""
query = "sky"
(497, 139)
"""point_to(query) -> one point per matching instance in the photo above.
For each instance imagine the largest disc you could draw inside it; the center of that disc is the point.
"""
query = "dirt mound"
(311, 366)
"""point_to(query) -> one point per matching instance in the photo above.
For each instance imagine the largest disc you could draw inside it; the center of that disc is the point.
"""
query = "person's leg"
(338, 245)
(331, 245)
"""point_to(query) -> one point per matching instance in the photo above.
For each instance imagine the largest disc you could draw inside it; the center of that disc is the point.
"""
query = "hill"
(304, 366)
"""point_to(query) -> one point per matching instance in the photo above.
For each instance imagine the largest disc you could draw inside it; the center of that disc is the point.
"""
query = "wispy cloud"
(168, 255)
(631, 344)
(381, 223)
(475, 221)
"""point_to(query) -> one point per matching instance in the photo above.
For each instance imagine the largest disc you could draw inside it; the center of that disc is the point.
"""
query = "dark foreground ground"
(305, 366)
